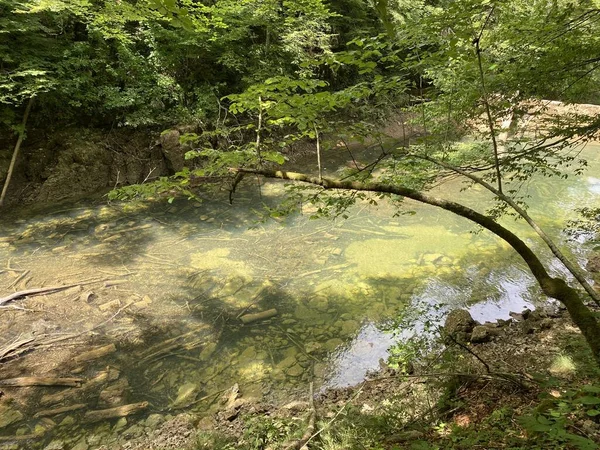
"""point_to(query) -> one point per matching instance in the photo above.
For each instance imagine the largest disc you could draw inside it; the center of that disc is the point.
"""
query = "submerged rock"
(9, 415)
(81, 445)
(287, 362)
(185, 394)
(154, 420)
(349, 327)
(55, 445)
(332, 344)
(248, 354)
(295, 371)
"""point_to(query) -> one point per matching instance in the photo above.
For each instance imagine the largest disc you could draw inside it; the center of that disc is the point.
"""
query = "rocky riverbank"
(485, 366)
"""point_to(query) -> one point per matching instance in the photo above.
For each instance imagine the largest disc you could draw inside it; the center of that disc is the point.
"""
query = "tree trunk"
(552, 287)
(13, 161)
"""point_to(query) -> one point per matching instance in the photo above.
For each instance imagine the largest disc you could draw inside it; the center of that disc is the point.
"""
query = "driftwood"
(57, 411)
(41, 381)
(95, 354)
(119, 411)
(111, 283)
(23, 275)
(166, 348)
(39, 291)
(249, 318)
(11, 349)
(314, 272)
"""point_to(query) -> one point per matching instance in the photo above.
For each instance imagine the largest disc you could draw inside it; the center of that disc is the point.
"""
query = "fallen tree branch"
(467, 349)
(39, 291)
(57, 411)
(23, 275)
(310, 428)
(6, 352)
(518, 379)
(41, 381)
(119, 411)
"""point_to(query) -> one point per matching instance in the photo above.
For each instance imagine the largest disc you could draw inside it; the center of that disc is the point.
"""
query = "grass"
(563, 366)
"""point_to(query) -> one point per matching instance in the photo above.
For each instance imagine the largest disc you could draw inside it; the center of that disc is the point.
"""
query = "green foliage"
(588, 223)
(164, 187)
(552, 421)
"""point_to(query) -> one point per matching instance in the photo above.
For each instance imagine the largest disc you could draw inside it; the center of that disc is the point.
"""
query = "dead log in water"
(41, 381)
(111, 413)
(57, 411)
(95, 353)
(263, 315)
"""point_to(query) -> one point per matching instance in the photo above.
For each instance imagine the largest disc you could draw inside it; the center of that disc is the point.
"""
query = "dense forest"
(158, 100)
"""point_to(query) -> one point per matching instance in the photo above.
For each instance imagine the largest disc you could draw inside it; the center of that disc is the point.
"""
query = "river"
(181, 276)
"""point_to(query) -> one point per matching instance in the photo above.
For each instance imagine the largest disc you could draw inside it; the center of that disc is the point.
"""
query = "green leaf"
(589, 400)
(274, 157)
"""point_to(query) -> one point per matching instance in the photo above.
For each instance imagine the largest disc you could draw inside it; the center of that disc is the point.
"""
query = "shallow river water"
(188, 273)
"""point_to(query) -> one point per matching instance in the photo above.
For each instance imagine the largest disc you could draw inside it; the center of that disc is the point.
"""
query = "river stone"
(131, 432)
(248, 354)
(81, 445)
(320, 370)
(290, 351)
(278, 375)
(114, 394)
(459, 321)
(295, 371)
(349, 327)
(8, 415)
(480, 334)
(303, 313)
(55, 445)
(121, 423)
(312, 347)
(185, 394)
(332, 344)
(154, 420)
(287, 362)
(208, 350)
(320, 304)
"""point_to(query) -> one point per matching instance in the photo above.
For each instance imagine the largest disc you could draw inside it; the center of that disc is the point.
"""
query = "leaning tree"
(473, 76)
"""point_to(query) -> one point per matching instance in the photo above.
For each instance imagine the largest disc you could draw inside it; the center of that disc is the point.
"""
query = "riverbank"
(530, 384)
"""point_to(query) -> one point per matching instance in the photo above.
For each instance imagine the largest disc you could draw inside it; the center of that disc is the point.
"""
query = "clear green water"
(335, 284)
